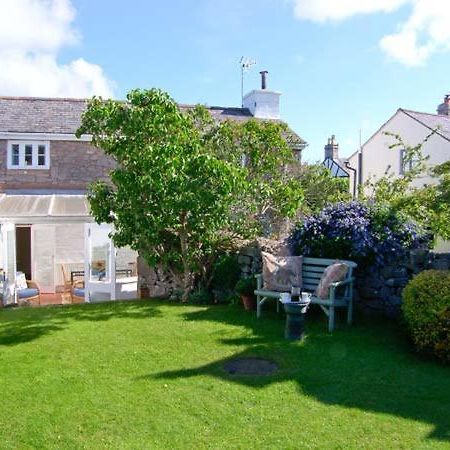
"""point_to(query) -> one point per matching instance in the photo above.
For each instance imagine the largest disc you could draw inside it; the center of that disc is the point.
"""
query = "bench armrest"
(259, 280)
(342, 283)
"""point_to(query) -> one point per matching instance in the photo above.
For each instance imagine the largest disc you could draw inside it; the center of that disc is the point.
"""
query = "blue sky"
(341, 65)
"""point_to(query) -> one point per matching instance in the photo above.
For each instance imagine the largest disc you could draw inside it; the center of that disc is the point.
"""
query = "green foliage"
(246, 286)
(260, 149)
(426, 308)
(321, 188)
(226, 273)
(200, 297)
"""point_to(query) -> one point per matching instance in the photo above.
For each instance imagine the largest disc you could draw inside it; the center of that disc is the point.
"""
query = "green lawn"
(149, 374)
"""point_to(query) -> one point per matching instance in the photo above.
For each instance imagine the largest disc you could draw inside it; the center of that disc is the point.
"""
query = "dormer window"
(28, 155)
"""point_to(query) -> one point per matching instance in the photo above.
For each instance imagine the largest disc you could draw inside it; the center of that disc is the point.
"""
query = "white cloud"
(329, 10)
(425, 31)
(32, 33)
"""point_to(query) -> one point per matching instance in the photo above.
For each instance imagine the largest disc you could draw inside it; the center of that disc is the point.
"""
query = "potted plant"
(245, 287)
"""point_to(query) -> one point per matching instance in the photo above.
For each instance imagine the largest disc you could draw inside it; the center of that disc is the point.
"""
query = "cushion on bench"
(333, 273)
(27, 292)
(280, 273)
(79, 292)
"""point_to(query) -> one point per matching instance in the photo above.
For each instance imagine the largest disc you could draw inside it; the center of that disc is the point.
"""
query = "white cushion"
(21, 281)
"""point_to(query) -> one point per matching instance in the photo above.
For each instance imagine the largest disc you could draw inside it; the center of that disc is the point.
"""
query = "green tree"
(169, 197)
(321, 188)
(272, 190)
(180, 190)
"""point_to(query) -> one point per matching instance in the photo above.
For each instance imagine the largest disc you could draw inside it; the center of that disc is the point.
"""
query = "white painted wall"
(263, 103)
(379, 159)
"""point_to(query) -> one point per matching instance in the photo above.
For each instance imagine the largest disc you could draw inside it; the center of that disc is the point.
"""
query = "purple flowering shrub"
(365, 234)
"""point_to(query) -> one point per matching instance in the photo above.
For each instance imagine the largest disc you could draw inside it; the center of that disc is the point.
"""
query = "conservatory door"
(8, 240)
(100, 270)
(43, 256)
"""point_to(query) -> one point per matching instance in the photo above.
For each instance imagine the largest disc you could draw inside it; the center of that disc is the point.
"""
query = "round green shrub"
(426, 308)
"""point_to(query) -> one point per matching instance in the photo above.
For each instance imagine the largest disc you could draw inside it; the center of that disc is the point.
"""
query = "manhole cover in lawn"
(250, 366)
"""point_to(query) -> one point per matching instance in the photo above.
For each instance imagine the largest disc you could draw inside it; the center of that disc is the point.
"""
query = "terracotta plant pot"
(249, 302)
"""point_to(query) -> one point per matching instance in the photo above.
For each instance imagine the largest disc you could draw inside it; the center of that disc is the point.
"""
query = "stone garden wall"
(378, 290)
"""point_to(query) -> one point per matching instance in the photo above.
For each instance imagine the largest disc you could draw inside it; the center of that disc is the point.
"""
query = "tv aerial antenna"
(245, 63)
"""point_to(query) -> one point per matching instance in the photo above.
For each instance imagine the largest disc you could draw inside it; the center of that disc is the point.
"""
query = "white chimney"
(263, 103)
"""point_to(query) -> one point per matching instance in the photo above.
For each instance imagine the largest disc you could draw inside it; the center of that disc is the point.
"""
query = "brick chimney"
(263, 103)
(444, 108)
(332, 148)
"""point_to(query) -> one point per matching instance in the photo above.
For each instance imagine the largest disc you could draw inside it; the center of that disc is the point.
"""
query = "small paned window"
(28, 155)
(15, 155)
(41, 155)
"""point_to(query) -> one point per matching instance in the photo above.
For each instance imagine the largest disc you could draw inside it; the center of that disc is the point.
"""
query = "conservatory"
(53, 240)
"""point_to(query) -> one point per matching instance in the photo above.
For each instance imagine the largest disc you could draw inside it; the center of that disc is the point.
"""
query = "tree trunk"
(187, 272)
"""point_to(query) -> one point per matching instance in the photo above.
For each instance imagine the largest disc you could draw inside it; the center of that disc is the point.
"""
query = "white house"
(375, 159)
(46, 230)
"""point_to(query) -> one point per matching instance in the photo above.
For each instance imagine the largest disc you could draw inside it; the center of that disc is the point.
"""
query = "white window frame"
(406, 166)
(35, 156)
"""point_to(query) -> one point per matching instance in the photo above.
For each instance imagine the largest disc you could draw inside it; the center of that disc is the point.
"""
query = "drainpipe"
(347, 165)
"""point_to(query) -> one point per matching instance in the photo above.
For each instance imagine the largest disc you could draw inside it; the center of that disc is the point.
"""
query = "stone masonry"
(73, 165)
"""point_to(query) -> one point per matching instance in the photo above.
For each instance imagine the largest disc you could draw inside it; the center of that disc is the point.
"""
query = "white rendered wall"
(379, 159)
(263, 104)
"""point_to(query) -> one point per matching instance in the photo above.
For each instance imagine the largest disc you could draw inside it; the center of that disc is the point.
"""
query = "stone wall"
(73, 165)
(377, 290)
(157, 282)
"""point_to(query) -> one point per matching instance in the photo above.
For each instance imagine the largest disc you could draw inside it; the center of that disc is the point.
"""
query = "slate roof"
(437, 122)
(63, 115)
(40, 115)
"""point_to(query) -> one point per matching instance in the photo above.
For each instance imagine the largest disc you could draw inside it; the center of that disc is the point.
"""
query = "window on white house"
(406, 165)
(28, 155)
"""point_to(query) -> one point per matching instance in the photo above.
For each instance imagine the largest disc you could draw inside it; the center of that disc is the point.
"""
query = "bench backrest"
(313, 269)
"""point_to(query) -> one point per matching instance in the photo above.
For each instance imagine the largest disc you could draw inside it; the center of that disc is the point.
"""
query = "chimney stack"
(332, 148)
(444, 108)
(263, 103)
(263, 74)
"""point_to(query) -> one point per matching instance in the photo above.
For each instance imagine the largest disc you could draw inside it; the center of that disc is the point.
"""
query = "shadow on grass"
(368, 367)
(22, 325)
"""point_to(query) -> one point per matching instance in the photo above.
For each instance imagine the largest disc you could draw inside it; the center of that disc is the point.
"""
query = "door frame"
(8, 232)
(103, 286)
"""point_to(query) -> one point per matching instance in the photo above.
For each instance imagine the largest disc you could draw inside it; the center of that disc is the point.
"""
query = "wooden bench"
(312, 271)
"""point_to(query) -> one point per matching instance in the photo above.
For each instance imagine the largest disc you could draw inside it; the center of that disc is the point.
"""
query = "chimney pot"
(332, 148)
(444, 108)
(263, 74)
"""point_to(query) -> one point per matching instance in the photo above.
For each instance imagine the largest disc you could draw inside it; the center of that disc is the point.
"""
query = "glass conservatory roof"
(50, 206)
